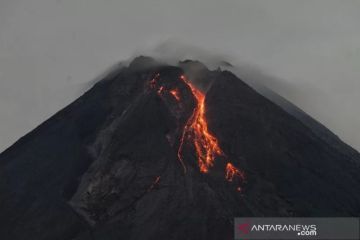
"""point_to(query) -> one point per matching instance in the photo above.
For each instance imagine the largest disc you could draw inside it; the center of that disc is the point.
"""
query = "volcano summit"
(155, 151)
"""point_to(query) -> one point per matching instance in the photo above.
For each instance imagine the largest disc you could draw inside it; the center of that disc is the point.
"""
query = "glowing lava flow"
(206, 145)
(196, 130)
(175, 94)
(157, 179)
(231, 172)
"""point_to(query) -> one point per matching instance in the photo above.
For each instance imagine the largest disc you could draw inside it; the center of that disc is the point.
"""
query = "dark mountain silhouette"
(116, 163)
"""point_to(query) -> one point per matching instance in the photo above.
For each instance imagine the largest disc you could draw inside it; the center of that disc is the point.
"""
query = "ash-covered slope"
(139, 157)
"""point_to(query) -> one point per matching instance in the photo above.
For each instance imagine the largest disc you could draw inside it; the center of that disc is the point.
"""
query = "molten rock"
(171, 152)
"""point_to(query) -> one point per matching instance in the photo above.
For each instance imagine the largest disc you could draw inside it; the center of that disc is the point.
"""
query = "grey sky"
(50, 49)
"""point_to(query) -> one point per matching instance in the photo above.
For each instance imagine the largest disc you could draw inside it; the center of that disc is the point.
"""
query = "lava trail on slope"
(197, 132)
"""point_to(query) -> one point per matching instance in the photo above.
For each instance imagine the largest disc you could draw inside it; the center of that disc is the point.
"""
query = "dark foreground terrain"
(107, 166)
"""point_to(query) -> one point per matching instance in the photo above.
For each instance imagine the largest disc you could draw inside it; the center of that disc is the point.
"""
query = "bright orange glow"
(196, 131)
(231, 172)
(206, 144)
(175, 94)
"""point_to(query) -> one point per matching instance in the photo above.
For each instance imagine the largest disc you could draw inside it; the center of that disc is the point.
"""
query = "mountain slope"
(116, 163)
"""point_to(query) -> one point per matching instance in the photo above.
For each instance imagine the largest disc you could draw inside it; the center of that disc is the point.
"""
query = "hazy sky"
(50, 49)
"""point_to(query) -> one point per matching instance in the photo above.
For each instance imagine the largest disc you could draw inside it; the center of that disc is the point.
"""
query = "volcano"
(175, 152)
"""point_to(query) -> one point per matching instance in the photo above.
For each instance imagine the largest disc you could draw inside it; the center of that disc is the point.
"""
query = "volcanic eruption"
(154, 151)
(196, 131)
(196, 128)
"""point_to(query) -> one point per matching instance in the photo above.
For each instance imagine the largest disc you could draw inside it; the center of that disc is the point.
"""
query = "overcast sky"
(51, 49)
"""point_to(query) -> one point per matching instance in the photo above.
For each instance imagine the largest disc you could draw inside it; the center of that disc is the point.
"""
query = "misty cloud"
(51, 50)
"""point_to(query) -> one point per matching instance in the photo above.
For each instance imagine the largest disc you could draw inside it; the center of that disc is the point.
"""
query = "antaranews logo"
(296, 228)
(299, 229)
